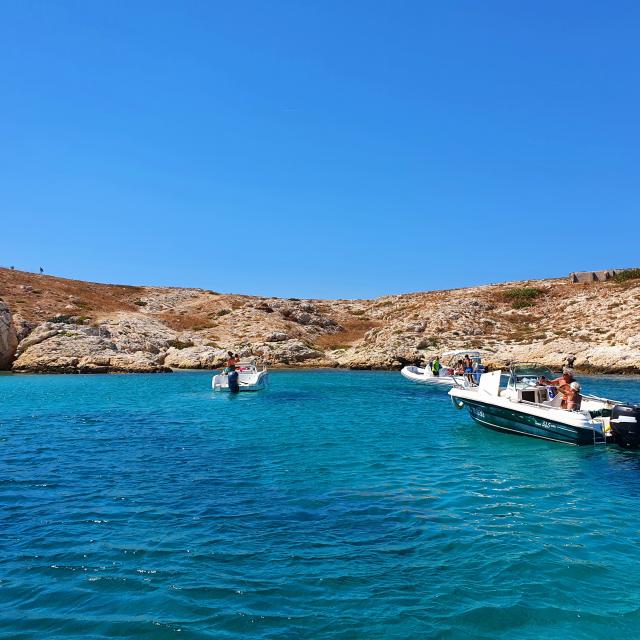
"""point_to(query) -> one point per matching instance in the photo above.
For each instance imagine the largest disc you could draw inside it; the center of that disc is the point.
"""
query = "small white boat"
(446, 377)
(246, 376)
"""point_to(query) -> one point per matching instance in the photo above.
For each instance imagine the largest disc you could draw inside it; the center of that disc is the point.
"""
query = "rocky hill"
(50, 324)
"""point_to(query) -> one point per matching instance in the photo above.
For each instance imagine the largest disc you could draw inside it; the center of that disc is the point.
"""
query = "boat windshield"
(530, 373)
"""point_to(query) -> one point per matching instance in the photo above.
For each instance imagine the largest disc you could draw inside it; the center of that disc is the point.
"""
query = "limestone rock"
(8, 338)
(22, 326)
(277, 336)
(125, 342)
(196, 357)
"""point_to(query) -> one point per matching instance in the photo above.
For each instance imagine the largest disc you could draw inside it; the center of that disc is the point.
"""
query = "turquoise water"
(334, 505)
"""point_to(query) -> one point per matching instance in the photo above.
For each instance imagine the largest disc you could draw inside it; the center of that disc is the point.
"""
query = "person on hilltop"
(41, 270)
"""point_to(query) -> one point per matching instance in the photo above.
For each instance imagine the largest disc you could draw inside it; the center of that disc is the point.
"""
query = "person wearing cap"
(572, 397)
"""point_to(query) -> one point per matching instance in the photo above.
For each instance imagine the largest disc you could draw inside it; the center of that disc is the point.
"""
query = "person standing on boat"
(563, 381)
(436, 366)
(468, 368)
(231, 362)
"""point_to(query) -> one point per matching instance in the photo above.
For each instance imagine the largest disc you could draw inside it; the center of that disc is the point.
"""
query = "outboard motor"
(625, 425)
(234, 385)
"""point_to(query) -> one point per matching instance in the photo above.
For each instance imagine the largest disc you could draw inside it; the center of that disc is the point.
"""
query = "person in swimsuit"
(572, 397)
(231, 362)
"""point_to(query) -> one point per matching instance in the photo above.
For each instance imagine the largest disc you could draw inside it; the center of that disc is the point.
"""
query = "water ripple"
(335, 505)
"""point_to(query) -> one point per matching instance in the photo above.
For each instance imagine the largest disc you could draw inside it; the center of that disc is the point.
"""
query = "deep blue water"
(334, 505)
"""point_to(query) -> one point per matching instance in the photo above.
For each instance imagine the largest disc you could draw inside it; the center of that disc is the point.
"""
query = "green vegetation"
(179, 344)
(60, 319)
(223, 312)
(627, 274)
(140, 303)
(522, 297)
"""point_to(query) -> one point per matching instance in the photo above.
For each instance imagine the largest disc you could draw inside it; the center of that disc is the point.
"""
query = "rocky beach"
(55, 325)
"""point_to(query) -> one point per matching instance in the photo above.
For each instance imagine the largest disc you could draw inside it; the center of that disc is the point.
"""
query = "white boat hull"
(246, 381)
(424, 376)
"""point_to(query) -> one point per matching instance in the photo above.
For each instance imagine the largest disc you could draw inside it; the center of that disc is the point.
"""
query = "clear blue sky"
(328, 148)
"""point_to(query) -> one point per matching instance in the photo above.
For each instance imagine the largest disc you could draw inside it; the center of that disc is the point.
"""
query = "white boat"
(446, 377)
(249, 378)
(516, 401)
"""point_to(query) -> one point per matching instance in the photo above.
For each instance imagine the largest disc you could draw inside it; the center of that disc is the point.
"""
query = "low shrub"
(140, 303)
(521, 297)
(180, 344)
(60, 319)
(223, 312)
(627, 274)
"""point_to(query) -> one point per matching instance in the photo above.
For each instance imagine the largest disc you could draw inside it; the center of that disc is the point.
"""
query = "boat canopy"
(452, 356)
(530, 371)
(462, 352)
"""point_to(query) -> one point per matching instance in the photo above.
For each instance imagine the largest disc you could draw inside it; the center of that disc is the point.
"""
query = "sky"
(333, 149)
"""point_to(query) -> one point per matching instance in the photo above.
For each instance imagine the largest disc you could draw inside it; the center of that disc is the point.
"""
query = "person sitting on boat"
(458, 370)
(436, 366)
(572, 398)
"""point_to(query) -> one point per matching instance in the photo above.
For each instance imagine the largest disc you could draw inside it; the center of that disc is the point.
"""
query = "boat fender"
(458, 404)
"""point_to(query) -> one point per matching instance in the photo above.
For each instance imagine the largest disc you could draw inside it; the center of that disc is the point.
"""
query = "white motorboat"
(519, 401)
(447, 376)
(246, 377)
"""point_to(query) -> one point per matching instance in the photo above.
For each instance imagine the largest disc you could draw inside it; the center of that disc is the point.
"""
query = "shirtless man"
(564, 380)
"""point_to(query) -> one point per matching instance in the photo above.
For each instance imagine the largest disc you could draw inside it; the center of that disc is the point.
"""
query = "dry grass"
(180, 322)
(354, 330)
(53, 294)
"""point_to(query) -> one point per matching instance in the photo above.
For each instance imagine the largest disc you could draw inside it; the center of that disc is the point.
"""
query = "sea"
(333, 505)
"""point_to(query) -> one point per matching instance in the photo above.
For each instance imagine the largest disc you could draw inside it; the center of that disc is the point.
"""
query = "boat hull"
(246, 382)
(415, 374)
(515, 422)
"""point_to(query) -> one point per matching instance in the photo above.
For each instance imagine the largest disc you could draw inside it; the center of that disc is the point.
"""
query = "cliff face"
(8, 337)
(72, 326)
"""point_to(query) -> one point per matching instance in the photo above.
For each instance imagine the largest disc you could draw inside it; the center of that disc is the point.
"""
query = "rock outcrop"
(8, 337)
(126, 342)
(69, 326)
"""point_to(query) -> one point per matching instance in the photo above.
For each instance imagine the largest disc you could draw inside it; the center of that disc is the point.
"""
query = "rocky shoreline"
(53, 325)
